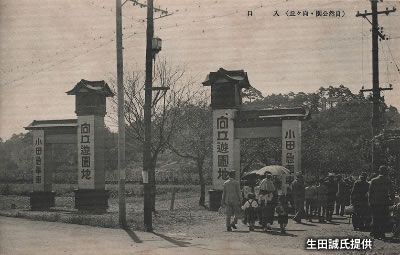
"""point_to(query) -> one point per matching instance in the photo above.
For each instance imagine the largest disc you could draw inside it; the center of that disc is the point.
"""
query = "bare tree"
(193, 139)
(166, 108)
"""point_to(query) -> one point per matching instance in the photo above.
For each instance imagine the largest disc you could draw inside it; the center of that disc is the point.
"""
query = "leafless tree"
(193, 139)
(167, 108)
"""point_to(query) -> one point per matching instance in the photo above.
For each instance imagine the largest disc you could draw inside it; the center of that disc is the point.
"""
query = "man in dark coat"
(322, 198)
(381, 196)
(332, 189)
(298, 189)
(359, 199)
(341, 194)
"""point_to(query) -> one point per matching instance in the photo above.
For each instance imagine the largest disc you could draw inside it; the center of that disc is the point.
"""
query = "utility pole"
(147, 168)
(121, 118)
(376, 90)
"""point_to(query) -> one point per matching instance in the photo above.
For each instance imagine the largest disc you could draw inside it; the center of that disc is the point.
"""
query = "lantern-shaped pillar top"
(226, 88)
(91, 97)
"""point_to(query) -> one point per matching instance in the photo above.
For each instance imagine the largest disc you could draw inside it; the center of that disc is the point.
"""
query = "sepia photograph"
(199, 127)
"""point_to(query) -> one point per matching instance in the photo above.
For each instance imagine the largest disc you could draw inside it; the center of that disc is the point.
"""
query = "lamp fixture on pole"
(156, 46)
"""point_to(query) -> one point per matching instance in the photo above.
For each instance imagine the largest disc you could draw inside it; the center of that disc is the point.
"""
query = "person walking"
(311, 200)
(322, 198)
(267, 190)
(359, 200)
(231, 199)
(282, 212)
(332, 189)
(340, 196)
(381, 196)
(298, 197)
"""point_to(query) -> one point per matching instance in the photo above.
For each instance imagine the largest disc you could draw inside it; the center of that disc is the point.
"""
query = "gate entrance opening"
(231, 122)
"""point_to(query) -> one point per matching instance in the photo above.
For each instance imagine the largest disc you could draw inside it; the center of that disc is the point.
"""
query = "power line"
(43, 59)
(55, 64)
(394, 61)
(140, 21)
(56, 54)
(206, 18)
(135, 33)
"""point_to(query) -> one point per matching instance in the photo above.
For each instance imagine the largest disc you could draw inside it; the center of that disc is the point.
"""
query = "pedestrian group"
(370, 204)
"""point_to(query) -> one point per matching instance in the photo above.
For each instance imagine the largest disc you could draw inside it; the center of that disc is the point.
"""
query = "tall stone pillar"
(42, 197)
(225, 147)
(91, 109)
(291, 146)
(226, 100)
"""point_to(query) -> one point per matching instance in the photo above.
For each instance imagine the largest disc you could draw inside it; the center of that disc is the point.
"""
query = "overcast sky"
(47, 46)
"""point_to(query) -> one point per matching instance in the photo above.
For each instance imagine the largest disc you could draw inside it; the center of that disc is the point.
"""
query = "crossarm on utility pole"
(378, 12)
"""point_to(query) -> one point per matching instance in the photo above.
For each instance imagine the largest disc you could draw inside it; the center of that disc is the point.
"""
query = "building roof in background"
(42, 124)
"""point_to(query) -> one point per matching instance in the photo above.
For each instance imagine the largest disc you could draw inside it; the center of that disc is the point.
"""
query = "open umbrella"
(274, 170)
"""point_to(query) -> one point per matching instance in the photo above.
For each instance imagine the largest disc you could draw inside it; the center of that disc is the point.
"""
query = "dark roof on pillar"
(100, 87)
(269, 117)
(223, 76)
(44, 124)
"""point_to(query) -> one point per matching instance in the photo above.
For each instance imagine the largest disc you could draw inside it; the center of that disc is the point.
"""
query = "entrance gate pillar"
(225, 101)
(291, 145)
(90, 104)
(226, 149)
(47, 134)
(42, 197)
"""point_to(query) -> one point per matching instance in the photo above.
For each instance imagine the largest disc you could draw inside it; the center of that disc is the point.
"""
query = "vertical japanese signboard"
(224, 146)
(291, 147)
(86, 152)
(38, 160)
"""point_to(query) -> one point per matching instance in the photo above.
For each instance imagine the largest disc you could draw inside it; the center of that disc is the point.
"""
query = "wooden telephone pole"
(121, 118)
(147, 168)
(148, 171)
(376, 90)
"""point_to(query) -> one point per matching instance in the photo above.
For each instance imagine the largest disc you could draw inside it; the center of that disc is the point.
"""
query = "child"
(246, 191)
(282, 212)
(250, 213)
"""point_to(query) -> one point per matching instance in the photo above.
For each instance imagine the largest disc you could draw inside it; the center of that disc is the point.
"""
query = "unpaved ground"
(26, 237)
(191, 222)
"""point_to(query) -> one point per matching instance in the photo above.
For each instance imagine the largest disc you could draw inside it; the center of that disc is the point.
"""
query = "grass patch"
(186, 205)
(67, 190)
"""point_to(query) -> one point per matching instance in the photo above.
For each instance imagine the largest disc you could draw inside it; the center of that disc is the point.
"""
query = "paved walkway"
(21, 236)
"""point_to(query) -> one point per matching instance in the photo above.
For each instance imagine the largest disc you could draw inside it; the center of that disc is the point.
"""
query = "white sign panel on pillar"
(86, 168)
(224, 146)
(38, 160)
(291, 147)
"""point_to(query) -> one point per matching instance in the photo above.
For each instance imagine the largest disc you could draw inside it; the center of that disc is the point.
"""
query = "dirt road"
(188, 229)
(21, 236)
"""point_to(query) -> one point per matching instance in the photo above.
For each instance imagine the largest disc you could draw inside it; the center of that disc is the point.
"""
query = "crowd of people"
(370, 203)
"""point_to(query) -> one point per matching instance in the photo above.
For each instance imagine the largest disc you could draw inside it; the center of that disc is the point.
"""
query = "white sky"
(47, 46)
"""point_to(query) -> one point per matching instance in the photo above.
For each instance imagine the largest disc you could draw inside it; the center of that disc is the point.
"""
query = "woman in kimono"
(267, 201)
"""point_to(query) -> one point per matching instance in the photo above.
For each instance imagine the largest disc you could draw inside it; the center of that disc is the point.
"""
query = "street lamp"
(155, 46)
